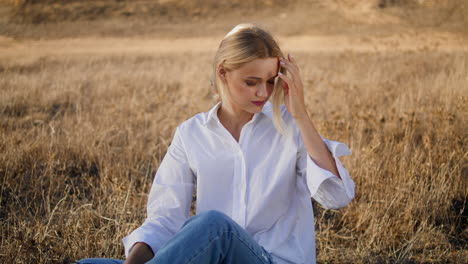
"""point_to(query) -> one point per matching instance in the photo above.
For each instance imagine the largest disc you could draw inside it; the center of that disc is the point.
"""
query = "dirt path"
(11, 49)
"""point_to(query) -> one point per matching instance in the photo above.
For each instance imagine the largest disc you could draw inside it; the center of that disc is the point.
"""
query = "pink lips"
(258, 103)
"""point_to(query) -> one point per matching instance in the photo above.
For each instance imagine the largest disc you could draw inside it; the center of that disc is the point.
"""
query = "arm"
(328, 181)
(168, 203)
(324, 186)
(294, 100)
(316, 148)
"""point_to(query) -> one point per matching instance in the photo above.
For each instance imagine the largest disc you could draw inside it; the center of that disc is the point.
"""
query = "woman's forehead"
(262, 68)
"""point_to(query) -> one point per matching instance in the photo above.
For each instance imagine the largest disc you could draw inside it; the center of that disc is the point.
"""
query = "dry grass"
(81, 141)
(81, 138)
(82, 134)
(169, 18)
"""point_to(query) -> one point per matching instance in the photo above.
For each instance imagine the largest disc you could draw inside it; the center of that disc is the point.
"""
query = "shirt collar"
(213, 117)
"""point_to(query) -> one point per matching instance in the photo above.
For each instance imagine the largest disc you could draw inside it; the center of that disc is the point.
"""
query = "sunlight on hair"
(244, 43)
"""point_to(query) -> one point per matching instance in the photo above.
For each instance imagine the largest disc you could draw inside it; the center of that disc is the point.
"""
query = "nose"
(262, 90)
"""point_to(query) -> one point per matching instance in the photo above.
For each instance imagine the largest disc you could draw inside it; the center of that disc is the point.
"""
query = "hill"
(47, 18)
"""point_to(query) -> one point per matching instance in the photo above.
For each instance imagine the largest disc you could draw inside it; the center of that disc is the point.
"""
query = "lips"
(258, 103)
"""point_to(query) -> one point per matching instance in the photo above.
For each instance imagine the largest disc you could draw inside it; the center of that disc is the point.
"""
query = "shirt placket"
(240, 195)
(243, 173)
(237, 183)
(239, 206)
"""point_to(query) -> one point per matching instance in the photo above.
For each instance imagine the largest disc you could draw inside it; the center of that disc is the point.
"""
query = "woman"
(255, 165)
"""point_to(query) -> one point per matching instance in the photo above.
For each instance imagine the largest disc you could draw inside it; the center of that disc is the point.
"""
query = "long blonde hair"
(245, 43)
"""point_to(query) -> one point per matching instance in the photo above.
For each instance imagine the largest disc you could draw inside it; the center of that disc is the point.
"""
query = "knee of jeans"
(211, 217)
(98, 261)
(83, 261)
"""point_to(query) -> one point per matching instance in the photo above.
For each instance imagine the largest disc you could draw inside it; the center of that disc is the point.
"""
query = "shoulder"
(268, 110)
(193, 124)
(286, 117)
(288, 128)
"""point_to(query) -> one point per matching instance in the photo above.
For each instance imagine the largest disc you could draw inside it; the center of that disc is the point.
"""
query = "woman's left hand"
(294, 100)
(293, 88)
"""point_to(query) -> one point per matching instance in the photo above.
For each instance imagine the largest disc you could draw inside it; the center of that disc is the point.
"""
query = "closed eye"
(249, 83)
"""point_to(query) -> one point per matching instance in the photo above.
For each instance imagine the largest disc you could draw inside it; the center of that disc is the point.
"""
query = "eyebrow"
(258, 78)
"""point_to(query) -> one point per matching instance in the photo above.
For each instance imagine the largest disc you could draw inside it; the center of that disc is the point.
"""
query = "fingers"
(287, 83)
(292, 85)
(285, 78)
(289, 63)
(294, 80)
(293, 60)
(291, 67)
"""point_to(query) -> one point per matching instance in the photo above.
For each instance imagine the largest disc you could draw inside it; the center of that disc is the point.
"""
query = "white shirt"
(263, 182)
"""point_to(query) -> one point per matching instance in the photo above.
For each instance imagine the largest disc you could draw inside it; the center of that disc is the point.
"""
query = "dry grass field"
(87, 115)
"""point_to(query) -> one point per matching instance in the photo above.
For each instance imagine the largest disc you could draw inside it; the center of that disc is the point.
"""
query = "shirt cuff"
(317, 175)
(139, 235)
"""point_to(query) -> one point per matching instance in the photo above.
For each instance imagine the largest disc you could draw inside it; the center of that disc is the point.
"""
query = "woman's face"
(250, 86)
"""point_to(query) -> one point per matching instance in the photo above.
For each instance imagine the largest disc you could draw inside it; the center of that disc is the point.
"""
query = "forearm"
(140, 253)
(315, 146)
(294, 100)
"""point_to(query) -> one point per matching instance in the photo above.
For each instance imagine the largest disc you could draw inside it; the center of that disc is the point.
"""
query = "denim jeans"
(209, 237)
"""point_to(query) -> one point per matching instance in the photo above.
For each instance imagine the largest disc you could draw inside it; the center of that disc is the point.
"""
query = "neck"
(233, 118)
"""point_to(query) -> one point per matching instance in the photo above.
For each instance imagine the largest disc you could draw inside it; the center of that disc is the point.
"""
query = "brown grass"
(82, 134)
(171, 18)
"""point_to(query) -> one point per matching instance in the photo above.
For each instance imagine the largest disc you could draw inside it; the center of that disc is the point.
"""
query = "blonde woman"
(255, 158)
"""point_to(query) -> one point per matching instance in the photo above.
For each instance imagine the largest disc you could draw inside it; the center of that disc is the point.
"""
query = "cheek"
(243, 89)
(247, 91)
(238, 91)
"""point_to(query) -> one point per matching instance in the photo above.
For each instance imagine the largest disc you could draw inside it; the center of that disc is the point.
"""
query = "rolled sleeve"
(325, 187)
(147, 233)
(169, 200)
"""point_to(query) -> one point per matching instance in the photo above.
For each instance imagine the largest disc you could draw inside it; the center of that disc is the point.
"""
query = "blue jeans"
(209, 237)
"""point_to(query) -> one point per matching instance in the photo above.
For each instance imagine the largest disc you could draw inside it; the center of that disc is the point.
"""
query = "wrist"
(139, 253)
(302, 118)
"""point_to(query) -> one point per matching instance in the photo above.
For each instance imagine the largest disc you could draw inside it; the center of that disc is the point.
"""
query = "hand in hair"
(294, 100)
(293, 88)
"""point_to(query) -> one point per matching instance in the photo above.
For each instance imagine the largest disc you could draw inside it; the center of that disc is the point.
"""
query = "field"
(89, 103)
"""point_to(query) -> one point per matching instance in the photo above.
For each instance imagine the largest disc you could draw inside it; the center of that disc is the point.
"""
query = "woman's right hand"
(140, 253)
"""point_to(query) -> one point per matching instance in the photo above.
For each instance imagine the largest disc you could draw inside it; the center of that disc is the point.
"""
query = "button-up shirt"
(263, 182)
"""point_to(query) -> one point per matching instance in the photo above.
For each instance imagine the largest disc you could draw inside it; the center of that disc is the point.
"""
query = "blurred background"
(92, 91)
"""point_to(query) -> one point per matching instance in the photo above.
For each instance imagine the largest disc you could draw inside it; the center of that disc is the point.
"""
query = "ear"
(221, 72)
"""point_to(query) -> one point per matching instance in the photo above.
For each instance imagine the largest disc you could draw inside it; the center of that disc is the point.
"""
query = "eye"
(250, 83)
(272, 81)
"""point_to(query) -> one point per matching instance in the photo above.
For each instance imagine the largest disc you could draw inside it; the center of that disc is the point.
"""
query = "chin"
(256, 109)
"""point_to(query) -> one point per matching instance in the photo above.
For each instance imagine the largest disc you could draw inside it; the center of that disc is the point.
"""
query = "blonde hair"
(245, 43)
